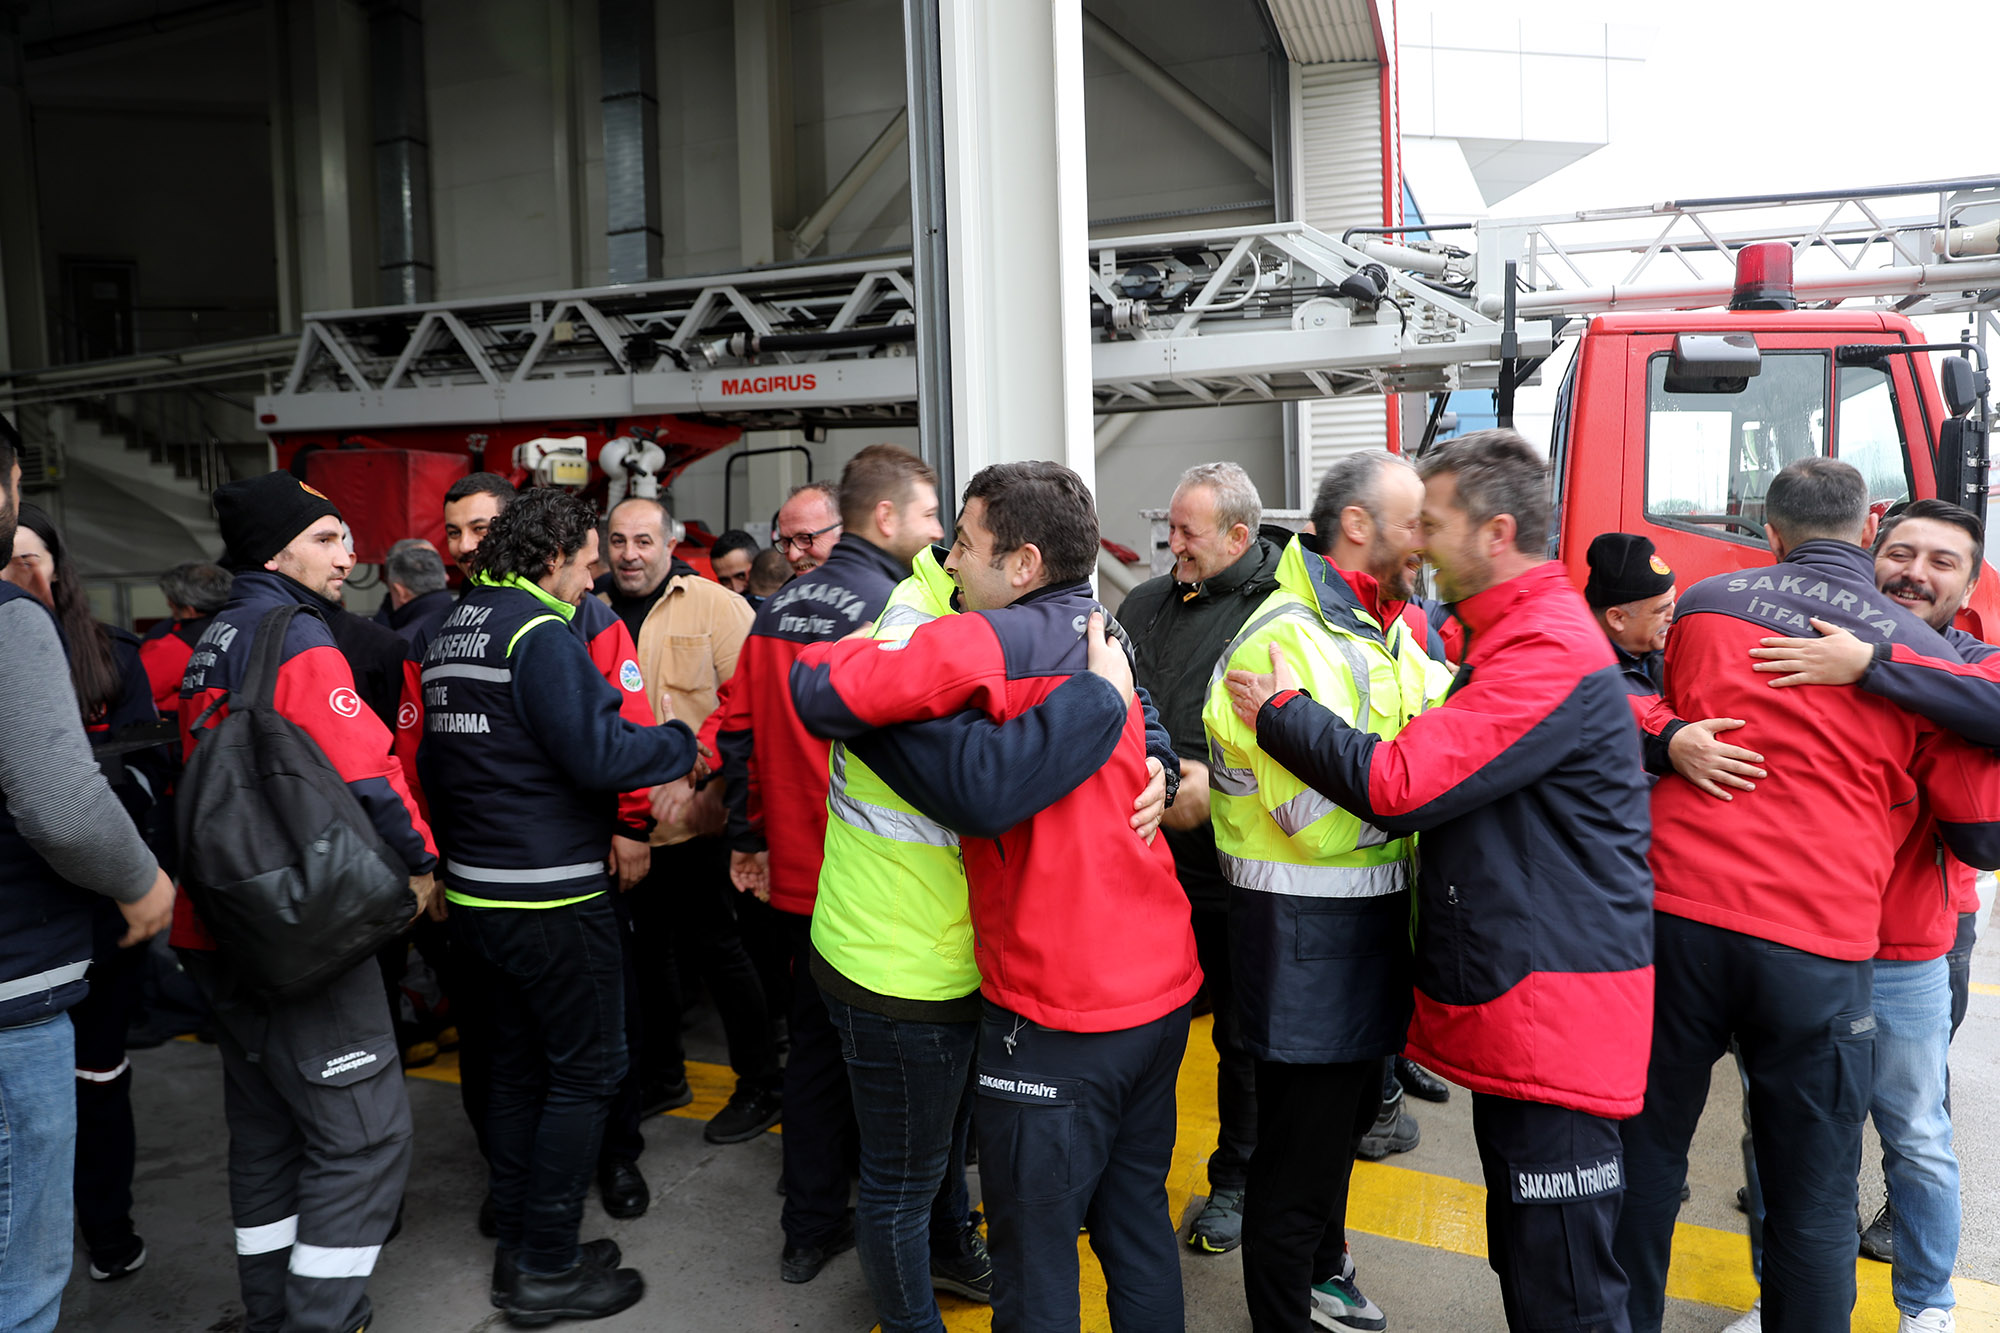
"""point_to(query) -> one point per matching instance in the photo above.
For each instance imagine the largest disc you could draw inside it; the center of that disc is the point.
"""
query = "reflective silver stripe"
(104, 1075)
(880, 820)
(466, 671)
(1251, 630)
(901, 614)
(44, 981)
(333, 1261)
(1242, 781)
(1229, 781)
(1302, 811)
(1309, 807)
(1357, 667)
(896, 825)
(271, 1236)
(545, 875)
(1312, 881)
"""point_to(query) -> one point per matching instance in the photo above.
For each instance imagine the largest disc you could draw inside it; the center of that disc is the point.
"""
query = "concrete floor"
(709, 1246)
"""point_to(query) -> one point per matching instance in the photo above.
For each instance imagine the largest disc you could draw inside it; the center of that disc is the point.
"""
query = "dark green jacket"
(1179, 632)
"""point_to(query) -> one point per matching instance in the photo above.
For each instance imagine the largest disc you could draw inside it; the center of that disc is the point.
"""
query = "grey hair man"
(195, 588)
(418, 601)
(1225, 564)
(1367, 519)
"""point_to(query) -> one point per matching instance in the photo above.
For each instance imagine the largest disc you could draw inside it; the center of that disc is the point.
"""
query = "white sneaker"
(1750, 1321)
(1932, 1320)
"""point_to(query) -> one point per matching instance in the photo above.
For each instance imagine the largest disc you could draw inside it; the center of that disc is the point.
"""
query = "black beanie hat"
(1625, 568)
(260, 516)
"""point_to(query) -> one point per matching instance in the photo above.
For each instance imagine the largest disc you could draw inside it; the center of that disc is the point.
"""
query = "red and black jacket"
(1839, 758)
(1078, 923)
(1534, 934)
(1912, 922)
(315, 691)
(164, 653)
(774, 771)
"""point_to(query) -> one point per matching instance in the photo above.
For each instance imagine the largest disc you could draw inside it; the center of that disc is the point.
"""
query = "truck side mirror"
(1962, 462)
(1960, 383)
(1713, 363)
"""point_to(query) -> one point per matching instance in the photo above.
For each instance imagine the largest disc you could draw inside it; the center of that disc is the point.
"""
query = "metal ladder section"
(1231, 315)
(1187, 319)
(1900, 246)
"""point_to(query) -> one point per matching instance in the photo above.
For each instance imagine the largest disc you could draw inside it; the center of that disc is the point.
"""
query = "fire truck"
(1710, 342)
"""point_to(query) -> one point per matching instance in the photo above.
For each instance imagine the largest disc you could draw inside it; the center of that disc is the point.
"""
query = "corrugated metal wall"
(1340, 173)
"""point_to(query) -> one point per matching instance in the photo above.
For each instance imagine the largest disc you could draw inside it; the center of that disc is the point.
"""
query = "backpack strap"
(267, 654)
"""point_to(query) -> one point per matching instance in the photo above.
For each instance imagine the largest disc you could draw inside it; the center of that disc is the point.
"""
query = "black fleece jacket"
(1179, 632)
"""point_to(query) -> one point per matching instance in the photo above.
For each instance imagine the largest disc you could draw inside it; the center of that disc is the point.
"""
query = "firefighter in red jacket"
(195, 590)
(1927, 560)
(1081, 931)
(1631, 593)
(319, 1124)
(775, 777)
(1749, 947)
(1533, 940)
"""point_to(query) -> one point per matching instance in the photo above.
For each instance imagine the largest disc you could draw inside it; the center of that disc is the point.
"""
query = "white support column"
(279, 55)
(340, 51)
(766, 189)
(1016, 231)
(566, 148)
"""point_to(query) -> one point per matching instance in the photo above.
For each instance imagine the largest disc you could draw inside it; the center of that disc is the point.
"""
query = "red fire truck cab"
(1672, 424)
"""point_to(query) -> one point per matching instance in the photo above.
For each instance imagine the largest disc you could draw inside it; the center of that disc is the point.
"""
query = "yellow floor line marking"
(711, 1084)
(1984, 988)
(1710, 1266)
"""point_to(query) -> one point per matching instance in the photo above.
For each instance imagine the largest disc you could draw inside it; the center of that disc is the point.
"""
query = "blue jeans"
(37, 1157)
(1912, 1037)
(912, 1086)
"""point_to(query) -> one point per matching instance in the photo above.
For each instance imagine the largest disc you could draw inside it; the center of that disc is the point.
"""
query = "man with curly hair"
(523, 756)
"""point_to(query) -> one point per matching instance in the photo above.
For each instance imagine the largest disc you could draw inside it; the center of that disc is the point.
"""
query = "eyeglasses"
(803, 540)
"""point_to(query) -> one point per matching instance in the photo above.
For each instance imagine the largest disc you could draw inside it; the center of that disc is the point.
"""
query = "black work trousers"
(821, 1140)
(622, 1140)
(685, 915)
(1805, 1026)
(467, 1009)
(1554, 1181)
(319, 1143)
(555, 977)
(1076, 1129)
(1236, 1079)
(106, 1140)
(1309, 1120)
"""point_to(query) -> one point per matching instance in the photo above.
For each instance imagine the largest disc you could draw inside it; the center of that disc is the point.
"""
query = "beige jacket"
(687, 647)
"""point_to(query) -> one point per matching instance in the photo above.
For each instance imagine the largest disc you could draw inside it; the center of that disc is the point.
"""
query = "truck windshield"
(1710, 457)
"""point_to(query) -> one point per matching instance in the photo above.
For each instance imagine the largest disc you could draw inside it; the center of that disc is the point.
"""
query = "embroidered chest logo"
(629, 677)
(344, 702)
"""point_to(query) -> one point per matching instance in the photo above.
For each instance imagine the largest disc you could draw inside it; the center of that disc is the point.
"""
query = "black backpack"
(279, 859)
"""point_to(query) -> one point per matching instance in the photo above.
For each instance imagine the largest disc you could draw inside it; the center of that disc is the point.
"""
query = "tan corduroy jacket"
(687, 647)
